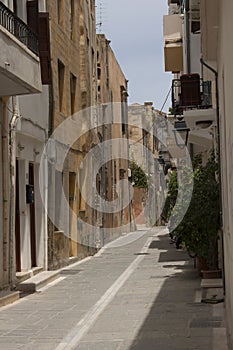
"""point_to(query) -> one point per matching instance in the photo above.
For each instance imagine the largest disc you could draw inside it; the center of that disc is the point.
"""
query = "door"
(17, 221)
(32, 219)
(72, 219)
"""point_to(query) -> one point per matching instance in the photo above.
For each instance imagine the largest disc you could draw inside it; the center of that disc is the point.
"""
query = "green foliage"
(138, 176)
(172, 195)
(200, 225)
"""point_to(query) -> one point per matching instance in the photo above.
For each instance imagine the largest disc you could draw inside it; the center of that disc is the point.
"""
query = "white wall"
(1, 200)
(225, 71)
(32, 131)
(36, 108)
(195, 43)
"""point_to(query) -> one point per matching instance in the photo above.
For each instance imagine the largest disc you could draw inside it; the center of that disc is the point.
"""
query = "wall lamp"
(20, 147)
(161, 160)
(36, 152)
(181, 133)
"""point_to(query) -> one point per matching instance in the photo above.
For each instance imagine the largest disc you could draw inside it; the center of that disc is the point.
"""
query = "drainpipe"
(5, 190)
(219, 159)
(187, 30)
(12, 158)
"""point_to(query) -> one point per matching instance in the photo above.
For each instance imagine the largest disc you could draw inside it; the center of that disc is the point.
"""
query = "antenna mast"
(99, 23)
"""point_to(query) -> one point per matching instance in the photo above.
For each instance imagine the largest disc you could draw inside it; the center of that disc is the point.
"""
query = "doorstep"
(212, 283)
(8, 297)
(36, 282)
(24, 275)
(212, 290)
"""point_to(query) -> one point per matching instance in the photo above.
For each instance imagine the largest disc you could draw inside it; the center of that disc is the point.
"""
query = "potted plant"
(200, 226)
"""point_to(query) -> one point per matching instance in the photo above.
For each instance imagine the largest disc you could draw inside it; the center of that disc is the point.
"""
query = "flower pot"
(201, 264)
(211, 274)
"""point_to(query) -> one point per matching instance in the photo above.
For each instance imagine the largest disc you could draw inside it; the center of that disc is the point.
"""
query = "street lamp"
(181, 132)
(161, 160)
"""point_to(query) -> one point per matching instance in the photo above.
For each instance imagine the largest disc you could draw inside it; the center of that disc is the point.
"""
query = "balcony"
(190, 92)
(173, 43)
(192, 98)
(19, 61)
(200, 122)
(210, 29)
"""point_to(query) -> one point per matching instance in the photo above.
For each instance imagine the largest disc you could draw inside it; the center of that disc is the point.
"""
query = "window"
(123, 109)
(98, 71)
(73, 83)
(33, 15)
(59, 11)
(44, 46)
(72, 19)
(61, 76)
(195, 27)
(145, 135)
(15, 7)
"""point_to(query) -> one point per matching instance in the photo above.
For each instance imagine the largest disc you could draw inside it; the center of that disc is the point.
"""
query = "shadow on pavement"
(175, 321)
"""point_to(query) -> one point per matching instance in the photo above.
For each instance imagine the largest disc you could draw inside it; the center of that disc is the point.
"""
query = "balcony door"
(15, 7)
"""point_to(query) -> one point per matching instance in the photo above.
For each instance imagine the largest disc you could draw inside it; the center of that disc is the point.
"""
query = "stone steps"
(212, 283)
(22, 276)
(36, 282)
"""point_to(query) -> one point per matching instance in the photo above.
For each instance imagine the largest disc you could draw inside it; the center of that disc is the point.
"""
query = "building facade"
(73, 89)
(208, 51)
(20, 75)
(51, 52)
(147, 142)
(112, 93)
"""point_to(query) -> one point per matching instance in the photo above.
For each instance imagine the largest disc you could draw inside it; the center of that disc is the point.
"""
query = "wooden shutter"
(44, 47)
(32, 15)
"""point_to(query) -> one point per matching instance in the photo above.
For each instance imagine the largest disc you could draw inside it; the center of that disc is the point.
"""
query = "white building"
(193, 87)
(24, 131)
(31, 135)
(207, 39)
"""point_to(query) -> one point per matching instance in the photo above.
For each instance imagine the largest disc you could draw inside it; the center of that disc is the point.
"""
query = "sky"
(135, 28)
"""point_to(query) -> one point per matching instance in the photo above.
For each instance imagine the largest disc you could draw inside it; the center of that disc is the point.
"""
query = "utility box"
(29, 194)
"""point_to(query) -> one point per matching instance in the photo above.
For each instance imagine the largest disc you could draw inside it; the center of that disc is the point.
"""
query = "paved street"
(138, 296)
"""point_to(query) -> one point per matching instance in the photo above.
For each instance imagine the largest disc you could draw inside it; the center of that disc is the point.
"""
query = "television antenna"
(100, 9)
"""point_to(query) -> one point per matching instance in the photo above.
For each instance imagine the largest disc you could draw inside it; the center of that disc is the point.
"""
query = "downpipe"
(12, 189)
(219, 160)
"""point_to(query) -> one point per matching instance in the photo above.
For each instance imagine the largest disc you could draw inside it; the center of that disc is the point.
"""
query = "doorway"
(32, 219)
(17, 221)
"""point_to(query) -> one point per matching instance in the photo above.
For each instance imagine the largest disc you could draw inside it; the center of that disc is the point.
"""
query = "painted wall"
(225, 73)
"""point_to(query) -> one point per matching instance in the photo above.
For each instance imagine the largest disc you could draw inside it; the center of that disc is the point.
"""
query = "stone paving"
(126, 298)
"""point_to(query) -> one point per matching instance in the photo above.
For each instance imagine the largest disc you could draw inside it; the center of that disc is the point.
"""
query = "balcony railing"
(18, 28)
(190, 92)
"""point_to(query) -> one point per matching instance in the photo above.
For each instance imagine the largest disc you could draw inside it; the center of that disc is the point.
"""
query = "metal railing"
(18, 28)
(196, 94)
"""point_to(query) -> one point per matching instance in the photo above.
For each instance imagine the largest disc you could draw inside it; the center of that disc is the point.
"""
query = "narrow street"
(142, 295)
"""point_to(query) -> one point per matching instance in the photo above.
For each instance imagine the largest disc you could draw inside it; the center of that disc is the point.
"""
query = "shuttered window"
(44, 46)
(32, 15)
(73, 83)
(39, 23)
(61, 79)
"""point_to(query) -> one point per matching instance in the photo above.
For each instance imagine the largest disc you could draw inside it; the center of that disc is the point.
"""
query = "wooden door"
(32, 219)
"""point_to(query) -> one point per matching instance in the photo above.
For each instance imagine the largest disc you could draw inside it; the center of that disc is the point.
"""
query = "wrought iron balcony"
(190, 92)
(18, 28)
